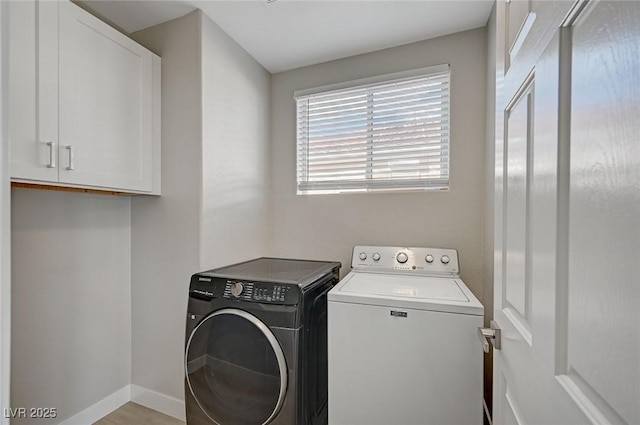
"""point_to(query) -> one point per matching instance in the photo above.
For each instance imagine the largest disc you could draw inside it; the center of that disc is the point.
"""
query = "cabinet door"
(105, 104)
(33, 90)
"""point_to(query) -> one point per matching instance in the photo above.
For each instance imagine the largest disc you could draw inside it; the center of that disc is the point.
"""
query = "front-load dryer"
(256, 343)
(403, 344)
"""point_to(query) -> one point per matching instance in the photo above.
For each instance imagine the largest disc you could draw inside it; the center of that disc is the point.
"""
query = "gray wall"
(71, 299)
(213, 208)
(165, 231)
(328, 226)
(235, 111)
(5, 227)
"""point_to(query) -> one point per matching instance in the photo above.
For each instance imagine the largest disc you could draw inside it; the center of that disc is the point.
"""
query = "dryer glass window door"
(236, 369)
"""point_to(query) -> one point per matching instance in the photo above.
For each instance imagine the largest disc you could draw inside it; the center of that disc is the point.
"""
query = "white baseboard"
(160, 402)
(102, 408)
(143, 396)
(486, 412)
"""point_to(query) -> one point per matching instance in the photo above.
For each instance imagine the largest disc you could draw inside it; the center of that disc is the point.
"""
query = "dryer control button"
(363, 256)
(402, 258)
(445, 259)
(376, 256)
(429, 258)
(236, 289)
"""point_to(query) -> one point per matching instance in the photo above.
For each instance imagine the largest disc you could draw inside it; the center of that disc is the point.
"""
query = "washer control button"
(236, 289)
(402, 258)
(445, 259)
(363, 256)
(429, 258)
(376, 257)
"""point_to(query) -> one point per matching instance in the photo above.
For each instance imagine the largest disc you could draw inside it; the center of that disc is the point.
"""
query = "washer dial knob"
(445, 259)
(429, 258)
(376, 257)
(236, 289)
(363, 256)
(402, 258)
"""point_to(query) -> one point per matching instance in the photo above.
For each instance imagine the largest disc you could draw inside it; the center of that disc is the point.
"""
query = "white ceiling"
(288, 34)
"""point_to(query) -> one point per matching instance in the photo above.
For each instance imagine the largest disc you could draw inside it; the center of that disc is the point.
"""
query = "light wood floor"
(134, 414)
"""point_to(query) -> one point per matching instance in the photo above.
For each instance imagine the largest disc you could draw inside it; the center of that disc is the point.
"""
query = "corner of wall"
(235, 151)
(166, 230)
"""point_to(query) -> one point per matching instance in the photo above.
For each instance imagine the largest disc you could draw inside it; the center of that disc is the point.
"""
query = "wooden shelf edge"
(20, 185)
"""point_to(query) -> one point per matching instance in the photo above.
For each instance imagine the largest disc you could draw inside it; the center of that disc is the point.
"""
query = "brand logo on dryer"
(205, 293)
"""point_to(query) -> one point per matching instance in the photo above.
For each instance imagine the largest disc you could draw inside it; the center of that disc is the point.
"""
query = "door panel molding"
(563, 193)
(520, 323)
(590, 402)
(603, 331)
(517, 256)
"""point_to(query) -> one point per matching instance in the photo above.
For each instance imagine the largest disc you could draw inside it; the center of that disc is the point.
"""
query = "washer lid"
(416, 292)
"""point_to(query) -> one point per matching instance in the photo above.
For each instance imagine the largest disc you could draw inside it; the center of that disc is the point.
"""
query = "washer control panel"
(257, 292)
(411, 260)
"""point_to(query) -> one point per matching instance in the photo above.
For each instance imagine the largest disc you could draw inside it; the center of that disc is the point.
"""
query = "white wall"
(71, 299)
(235, 159)
(5, 228)
(328, 226)
(166, 230)
(213, 209)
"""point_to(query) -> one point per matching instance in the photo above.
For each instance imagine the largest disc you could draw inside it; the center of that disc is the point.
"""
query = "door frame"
(5, 226)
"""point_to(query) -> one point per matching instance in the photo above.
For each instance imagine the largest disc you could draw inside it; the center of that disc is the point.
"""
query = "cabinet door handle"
(52, 155)
(70, 149)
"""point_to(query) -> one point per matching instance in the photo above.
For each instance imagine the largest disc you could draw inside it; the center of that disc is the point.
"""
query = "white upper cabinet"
(84, 102)
(33, 90)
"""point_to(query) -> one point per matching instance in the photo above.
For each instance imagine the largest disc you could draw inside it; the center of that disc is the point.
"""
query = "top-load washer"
(256, 343)
(403, 345)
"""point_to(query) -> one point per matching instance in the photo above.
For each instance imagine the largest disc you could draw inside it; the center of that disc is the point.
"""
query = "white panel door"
(602, 351)
(567, 265)
(33, 90)
(105, 104)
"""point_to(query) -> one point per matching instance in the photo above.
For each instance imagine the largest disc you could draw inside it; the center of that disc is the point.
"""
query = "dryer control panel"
(410, 260)
(209, 288)
(268, 293)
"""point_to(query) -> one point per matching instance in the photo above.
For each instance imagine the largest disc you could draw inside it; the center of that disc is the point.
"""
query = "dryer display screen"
(268, 293)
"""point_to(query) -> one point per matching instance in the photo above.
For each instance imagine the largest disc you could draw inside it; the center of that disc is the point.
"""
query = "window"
(389, 134)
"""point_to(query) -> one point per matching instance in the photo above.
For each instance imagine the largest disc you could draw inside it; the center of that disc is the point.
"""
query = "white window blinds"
(378, 136)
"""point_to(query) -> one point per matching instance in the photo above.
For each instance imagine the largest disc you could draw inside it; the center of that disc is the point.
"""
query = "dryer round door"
(235, 369)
